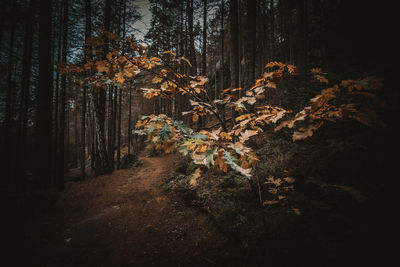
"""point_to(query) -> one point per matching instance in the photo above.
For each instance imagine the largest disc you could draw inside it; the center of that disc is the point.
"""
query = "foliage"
(224, 146)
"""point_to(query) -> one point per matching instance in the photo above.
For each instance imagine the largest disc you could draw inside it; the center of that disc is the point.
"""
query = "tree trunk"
(204, 54)
(119, 130)
(25, 84)
(8, 110)
(250, 44)
(61, 141)
(272, 38)
(129, 118)
(302, 31)
(88, 55)
(2, 19)
(234, 41)
(44, 98)
(192, 51)
(56, 103)
(222, 47)
(102, 164)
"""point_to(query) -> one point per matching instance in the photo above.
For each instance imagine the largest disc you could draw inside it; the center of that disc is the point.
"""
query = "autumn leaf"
(226, 136)
(291, 69)
(289, 180)
(244, 136)
(195, 175)
(273, 191)
(157, 79)
(195, 117)
(316, 71)
(186, 60)
(321, 78)
(270, 202)
(120, 78)
(102, 66)
(169, 52)
(296, 211)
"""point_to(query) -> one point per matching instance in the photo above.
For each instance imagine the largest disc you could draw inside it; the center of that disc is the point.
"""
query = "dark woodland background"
(50, 135)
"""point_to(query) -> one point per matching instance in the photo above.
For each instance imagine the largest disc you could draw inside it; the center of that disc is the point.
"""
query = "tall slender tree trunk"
(24, 104)
(129, 118)
(119, 130)
(204, 54)
(302, 31)
(222, 47)
(272, 37)
(44, 98)
(9, 99)
(234, 44)
(249, 43)
(2, 19)
(192, 51)
(61, 142)
(56, 102)
(88, 55)
(102, 164)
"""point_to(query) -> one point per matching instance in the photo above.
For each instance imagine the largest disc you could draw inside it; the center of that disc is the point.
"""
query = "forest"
(198, 132)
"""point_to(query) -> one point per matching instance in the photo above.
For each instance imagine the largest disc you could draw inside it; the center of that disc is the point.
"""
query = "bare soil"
(127, 219)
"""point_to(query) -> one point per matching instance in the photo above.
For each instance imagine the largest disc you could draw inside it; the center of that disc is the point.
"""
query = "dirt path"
(127, 219)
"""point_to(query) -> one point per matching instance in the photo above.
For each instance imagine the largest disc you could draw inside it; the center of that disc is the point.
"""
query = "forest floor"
(149, 215)
(126, 219)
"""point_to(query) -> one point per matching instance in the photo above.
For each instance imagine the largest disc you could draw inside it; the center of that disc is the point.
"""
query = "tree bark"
(9, 98)
(222, 47)
(44, 98)
(250, 44)
(129, 118)
(192, 51)
(302, 31)
(234, 45)
(61, 141)
(25, 84)
(88, 55)
(204, 54)
(102, 164)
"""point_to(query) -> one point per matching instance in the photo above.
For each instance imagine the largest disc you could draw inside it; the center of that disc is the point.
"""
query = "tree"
(88, 55)
(102, 164)
(204, 54)
(249, 44)
(234, 46)
(25, 86)
(61, 142)
(44, 98)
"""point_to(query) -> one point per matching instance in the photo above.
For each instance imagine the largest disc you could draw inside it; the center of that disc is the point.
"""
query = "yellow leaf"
(194, 177)
(157, 79)
(270, 202)
(291, 69)
(120, 78)
(244, 116)
(289, 180)
(195, 117)
(296, 210)
(226, 136)
(316, 71)
(273, 191)
(247, 134)
(322, 79)
(169, 52)
(220, 162)
(186, 60)
(102, 66)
